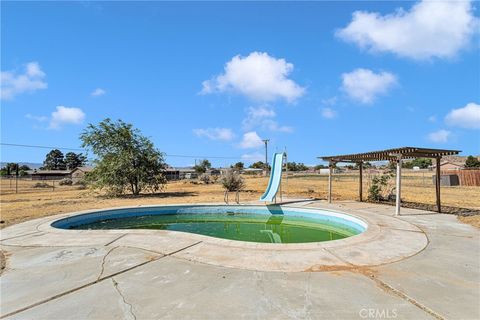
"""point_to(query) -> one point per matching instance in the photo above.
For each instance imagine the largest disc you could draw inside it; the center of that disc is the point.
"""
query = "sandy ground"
(32, 203)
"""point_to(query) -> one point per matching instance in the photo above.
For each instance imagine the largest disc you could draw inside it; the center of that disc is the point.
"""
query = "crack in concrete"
(367, 272)
(307, 306)
(21, 235)
(389, 289)
(115, 285)
(103, 262)
(59, 295)
(123, 235)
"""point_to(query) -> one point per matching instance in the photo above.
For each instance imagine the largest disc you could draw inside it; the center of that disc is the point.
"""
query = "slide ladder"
(275, 178)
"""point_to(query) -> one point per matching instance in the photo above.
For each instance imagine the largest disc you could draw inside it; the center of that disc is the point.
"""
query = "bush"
(205, 178)
(41, 185)
(232, 181)
(380, 190)
(65, 182)
(80, 182)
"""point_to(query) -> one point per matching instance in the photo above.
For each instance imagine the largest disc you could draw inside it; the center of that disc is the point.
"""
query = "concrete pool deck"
(420, 265)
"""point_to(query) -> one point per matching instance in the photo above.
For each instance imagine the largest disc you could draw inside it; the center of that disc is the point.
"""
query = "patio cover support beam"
(330, 165)
(398, 189)
(437, 184)
(360, 181)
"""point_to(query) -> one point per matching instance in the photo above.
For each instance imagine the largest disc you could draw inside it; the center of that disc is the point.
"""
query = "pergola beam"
(396, 155)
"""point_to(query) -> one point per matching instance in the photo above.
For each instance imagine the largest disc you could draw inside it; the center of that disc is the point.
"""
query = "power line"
(40, 147)
(78, 149)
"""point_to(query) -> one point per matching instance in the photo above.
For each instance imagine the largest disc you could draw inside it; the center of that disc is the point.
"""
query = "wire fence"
(13, 184)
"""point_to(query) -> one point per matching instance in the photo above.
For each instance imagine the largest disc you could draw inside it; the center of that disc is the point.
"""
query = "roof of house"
(84, 169)
(51, 172)
(450, 162)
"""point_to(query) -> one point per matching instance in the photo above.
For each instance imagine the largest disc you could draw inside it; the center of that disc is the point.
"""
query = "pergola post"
(330, 182)
(360, 181)
(437, 184)
(398, 185)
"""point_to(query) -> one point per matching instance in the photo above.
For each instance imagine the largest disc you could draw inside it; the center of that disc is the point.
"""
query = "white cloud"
(253, 157)
(430, 29)
(251, 140)
(98, 92)
(258, 76)
(36, 118)
(328, 113)
(263, 117)
(66, 115)
(329, 101)
(432, 119)
(440, 136)
(365, 86)
(272, 125)
(14, 83)
(467, 117)
(223, 134)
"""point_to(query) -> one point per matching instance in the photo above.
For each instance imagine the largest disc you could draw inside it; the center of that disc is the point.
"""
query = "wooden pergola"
(393, 155)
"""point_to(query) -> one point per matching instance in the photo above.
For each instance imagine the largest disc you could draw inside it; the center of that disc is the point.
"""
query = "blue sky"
(213, 78)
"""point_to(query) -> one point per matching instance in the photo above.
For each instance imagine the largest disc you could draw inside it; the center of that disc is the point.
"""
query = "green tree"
(422, 163)
(54, 160)
(11, 169)
(203, 166)
(292, 166)
(472, 162)
(126, 160)
(238, 166)
(320, 166)
(301, 167)
(258, 165)
(74, 160)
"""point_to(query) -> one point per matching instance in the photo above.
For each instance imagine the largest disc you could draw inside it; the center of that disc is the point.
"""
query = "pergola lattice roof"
(391, 154)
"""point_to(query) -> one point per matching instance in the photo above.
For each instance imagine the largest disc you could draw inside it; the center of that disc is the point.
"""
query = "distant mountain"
(31, 165)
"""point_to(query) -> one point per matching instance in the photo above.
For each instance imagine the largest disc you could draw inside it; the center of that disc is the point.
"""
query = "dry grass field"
(32, 202)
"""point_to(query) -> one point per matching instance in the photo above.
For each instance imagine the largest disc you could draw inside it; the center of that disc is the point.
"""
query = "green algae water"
(250, 227)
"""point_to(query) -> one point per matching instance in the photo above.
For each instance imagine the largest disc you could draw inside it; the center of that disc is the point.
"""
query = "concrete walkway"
(115, 280)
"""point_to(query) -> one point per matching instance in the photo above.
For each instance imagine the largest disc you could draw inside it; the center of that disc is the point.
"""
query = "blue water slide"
(275, 178)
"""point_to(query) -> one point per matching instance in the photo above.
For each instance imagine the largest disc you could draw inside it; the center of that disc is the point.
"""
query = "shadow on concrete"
(159, 195)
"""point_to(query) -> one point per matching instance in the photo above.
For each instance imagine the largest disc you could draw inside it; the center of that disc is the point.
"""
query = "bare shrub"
(41, 185)
(80, 182)
(65, 182)
(232, 181)
(205, 178)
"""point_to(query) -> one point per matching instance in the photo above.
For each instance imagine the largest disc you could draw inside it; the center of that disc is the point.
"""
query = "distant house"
(214, 172)
(172, 174)
(50, 174)
(450, 165)
(75, 174)
(326, 170)
(252, 171)
(187, 173)
(79, 173)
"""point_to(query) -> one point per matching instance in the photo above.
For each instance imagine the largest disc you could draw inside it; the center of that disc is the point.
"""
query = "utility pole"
(266, 155)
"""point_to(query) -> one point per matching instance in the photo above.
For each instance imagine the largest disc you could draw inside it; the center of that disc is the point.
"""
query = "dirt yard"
(32, 203)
